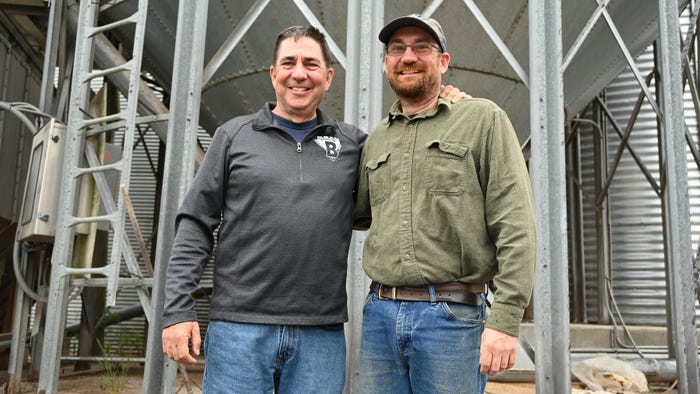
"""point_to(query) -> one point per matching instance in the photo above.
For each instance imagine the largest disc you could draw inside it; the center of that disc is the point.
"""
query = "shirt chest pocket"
(379, 177)
(445, 170)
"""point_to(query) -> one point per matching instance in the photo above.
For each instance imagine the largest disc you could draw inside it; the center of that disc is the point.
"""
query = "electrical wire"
(608, 282)
(20, 278)
(20, 110)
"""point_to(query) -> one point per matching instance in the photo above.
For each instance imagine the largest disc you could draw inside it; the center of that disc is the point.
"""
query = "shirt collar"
(396, 112)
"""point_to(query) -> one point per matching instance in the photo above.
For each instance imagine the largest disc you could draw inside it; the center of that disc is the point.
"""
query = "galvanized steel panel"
(637, 243)
(19, 82)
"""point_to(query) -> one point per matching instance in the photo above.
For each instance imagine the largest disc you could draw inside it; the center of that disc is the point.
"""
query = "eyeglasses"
(418, 49)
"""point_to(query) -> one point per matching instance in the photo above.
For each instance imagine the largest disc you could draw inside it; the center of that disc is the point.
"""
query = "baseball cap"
(428, 24)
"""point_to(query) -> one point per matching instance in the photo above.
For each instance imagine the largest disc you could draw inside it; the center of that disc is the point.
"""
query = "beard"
(411, 89)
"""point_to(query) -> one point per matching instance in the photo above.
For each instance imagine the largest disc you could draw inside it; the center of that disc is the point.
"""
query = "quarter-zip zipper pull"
(298, 147)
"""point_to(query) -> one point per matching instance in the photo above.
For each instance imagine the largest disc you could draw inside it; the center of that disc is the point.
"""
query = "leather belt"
(463, 293)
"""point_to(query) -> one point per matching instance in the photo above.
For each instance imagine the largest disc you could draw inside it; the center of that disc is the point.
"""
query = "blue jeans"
(421, 347)
(260, 358)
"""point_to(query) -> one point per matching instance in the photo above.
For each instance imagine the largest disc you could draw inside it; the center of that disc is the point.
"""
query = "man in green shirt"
(445, 193)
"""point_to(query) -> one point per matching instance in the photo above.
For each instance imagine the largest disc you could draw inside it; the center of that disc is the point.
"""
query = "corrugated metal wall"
(19, 82)
(636, 230)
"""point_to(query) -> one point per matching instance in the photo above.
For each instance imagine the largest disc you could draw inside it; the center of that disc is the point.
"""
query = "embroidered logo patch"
(330, 144)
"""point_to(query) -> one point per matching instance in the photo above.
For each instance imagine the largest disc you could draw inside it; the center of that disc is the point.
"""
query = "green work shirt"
(448, 197)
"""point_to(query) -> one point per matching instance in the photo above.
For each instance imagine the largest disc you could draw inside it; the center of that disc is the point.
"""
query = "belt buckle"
(393, 293)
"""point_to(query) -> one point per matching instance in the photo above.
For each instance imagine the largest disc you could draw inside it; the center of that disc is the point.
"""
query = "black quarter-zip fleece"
(284, 213)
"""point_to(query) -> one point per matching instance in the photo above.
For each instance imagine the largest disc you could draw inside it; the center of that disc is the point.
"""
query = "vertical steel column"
(20, 320)
(50, 55)
(602, 212)
(160, 372)
(363, 107)
(547, 165)
(575, 215)
(676, 209)
(5, 87)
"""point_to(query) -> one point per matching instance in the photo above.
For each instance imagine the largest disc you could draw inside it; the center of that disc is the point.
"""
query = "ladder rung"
(99, 29)
(152, 118)
(105, 128)
(117, 166)
(122, 123)
(103, 119)
(87, 271)
(102, 282)
(73, 220)
(101, 73)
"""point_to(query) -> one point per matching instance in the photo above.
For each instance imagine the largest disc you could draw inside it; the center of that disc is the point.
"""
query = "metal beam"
(496, 39)
(160, 372)
(363, 107)
(332, 46)
(676, 210)
(547, 166)
(233, 39)
(50, 55)
(491, 32)
(20, 320)
(630, 60)
(584, 33)
(601, 206)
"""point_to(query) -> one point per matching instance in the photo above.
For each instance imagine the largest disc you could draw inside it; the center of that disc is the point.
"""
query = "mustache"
(408, 70)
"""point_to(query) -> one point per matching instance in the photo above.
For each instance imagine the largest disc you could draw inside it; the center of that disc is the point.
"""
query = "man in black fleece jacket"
(279, 186)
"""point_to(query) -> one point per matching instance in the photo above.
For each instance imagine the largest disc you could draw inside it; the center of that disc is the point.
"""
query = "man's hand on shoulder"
(177, 339)
(498, 351)
(453, 94)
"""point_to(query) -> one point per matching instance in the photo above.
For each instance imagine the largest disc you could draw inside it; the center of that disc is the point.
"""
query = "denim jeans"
(260, 358)
(421, 347)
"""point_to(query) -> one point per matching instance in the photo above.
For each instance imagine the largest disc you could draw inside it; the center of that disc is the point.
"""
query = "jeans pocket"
(464, 312)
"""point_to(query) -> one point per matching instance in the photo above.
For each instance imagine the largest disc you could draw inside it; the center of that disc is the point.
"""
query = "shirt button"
(405, 222)
(404, 187)
(408, 256)
(405, 155)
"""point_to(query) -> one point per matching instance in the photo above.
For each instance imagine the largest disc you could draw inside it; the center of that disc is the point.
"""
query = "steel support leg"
(183, 124)
(363, 104)
(547, 166)
(676, 210)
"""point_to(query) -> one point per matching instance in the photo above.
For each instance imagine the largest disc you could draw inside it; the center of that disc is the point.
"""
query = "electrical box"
(41, 192)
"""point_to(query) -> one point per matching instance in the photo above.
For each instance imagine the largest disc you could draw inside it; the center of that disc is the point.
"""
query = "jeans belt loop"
(431, 291)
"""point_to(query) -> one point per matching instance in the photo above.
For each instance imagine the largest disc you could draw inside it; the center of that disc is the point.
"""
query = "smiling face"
(300, 77)
(414, 77)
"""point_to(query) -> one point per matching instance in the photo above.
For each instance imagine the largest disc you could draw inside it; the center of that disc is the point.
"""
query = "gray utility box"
(41, 192)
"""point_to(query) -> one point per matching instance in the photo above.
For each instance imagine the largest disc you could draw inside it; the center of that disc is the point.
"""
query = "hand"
(176, 341)
(498, 351)
(453, 94)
